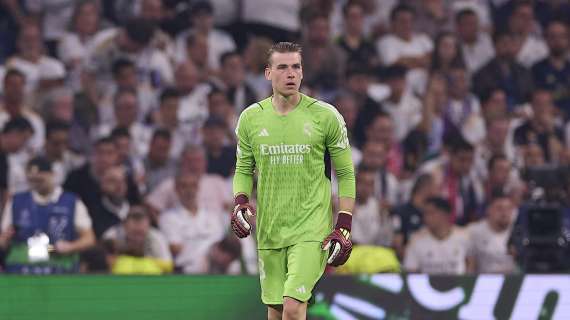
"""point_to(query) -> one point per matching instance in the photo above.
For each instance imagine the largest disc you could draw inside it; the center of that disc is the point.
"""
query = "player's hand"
(339, 246)
(241, 216)
(338, 243)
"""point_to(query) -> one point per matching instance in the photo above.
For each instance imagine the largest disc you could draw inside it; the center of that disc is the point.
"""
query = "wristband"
(344, 220)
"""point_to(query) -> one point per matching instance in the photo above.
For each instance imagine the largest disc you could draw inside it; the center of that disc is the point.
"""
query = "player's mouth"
(290, 84)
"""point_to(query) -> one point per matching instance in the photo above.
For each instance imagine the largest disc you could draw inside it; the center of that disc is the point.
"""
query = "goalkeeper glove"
(338, 243)
(242, 212)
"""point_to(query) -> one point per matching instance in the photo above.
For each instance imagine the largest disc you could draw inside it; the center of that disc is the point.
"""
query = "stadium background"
(134, 104)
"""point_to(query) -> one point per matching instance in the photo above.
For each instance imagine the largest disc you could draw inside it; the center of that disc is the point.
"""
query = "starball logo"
(282, 154)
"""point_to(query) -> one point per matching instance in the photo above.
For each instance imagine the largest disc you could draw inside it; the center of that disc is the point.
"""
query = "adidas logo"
(301, 289)
(264, 133)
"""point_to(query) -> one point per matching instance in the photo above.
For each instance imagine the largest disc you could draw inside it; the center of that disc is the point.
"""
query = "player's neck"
(285, 104)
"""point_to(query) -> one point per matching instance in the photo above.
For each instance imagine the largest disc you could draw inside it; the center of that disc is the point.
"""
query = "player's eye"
(282, 67)
(297, 66)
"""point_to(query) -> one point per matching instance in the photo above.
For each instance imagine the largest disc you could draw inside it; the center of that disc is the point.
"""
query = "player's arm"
(243, 179)
(338, 242)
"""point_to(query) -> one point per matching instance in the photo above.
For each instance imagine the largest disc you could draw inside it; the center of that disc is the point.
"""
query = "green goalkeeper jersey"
(292, 155)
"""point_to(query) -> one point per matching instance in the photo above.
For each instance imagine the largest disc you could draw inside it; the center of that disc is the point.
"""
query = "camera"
(541, 234)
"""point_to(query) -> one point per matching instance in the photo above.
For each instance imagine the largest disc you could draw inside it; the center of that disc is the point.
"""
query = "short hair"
(55, 126)
(19, 124)
(104, 140)
(137, 213)
(494, 159)
(399, 9)
(228, 54)
(13, 72)
(162, 134)
(215, 122)
(394, 71)
(421, 182)
(120, 65)
(464, 13)
(458, 144)
(487, 94)
(283, 47)
(140, 30)
(202, 7)
(120, 132)
(440, 203)
(351, 3)
(168, 93)
(501, 33)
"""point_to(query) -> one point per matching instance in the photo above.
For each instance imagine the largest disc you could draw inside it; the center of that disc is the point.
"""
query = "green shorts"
(290, 272)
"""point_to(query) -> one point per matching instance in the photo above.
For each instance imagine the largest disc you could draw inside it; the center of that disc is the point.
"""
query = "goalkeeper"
(290, 139)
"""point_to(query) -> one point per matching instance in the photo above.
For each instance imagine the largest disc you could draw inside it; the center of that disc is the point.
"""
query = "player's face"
(285, 73)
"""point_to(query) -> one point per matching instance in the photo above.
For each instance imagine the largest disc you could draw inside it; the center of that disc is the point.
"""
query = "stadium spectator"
(213, 190)
(489, 237)
(408, 218)
(57, 151)
(402, 105)
(457, 181)
(221, 155)
(476, 45)
(86, 181)
(371, 224)
(504, 72)
(158, 165)
(14, 105)
(31, 59)
(542, 128)
(403, 46)
(323, 62)
(232, 80)
(374, 158)
(523, 27)
(553, 72)
(136, 247)
(357, 47)
(49, 215)
(191, 227)
(381, 130)
(439, 247)
(217, 41)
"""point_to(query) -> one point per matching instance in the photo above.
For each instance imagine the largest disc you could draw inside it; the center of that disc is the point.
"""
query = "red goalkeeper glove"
(243, 211)
(338, 243)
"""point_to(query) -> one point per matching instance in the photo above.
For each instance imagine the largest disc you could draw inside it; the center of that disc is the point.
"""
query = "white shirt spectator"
(371, 225)
(140, 136)
(532, 50)
(155, 245)
(36, 142)
(466, 116)
(219, 43)
(55, 14)
(391, 48)
(103, 51)
(427, 254)
(213, 193)
(34, 72)
(194, 106)
(406, 114)
(254, 11)
(61, 168)
(477, 54)
(195, 232)
(489, 248)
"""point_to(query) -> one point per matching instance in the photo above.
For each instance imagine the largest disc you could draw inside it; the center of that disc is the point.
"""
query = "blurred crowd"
(117, 118)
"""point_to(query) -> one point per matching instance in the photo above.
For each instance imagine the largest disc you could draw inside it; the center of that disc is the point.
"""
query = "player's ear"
(267, 73)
